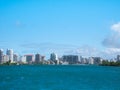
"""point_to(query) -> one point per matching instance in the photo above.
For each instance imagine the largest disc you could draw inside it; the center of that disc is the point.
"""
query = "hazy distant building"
(80, 59)
(1, 55)
(97, 60)
(71, 59)
(29, 58)
(22, 59)
(118, 57)
(53, 57)
(84, 61)
(9, 52)
(37, 58)
(5, 58)
(15, 57)
(91, 60)
(42, 58)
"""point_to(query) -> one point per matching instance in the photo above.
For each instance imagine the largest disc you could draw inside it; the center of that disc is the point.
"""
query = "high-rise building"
(97, 60)
(15, 57)
(5, 58)
(10, 54)
(22, 59)
(71, 59)
(1, 55)
(42, 58)
(84, 61)
(91, 60)
(29, 58)
(80, 59)
(37, 58)
(118, 57)
(53, 57)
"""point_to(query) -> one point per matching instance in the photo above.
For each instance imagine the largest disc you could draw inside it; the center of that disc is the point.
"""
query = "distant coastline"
(104, 63)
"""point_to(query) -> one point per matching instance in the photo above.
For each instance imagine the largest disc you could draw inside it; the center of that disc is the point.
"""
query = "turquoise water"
(52, 77)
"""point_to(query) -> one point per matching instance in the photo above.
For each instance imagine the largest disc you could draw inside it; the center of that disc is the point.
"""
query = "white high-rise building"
(53, 57)
(23, 59)
(5, 58)
(91, 60)
(10, 54)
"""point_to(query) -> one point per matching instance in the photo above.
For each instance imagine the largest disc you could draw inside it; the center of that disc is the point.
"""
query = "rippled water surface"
(69, 77)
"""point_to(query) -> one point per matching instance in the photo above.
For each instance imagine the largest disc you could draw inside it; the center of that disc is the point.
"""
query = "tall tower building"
(37, 58)
(91, 60)
(1, 55)
(5, 58)
(15, 57)
(53, 57)
(29, 58)
(10, 54)
(118, 57)
(71, 59)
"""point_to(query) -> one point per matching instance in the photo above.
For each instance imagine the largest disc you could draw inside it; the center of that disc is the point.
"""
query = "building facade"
(38, 58)
(29, 58)
(53, 57)
(118, 57)
(15, 58)
(97, 60)
(1, 55)
(71, 59)
(9, 52)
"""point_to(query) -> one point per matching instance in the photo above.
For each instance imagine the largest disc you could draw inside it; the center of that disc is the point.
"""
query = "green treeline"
(108, 63)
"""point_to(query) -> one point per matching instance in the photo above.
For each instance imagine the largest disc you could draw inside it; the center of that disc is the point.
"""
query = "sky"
(84, 27)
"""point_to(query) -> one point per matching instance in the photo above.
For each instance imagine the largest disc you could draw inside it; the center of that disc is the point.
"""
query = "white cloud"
(113, 40)
(47, 48)
(111, 51)
(85, 50)
(116, 27)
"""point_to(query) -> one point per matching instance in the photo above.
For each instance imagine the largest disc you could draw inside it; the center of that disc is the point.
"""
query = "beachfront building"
(118, 57)
(38, 58)
(54, 58)
(5, 58)
(71, 59)
(29, 58)
(90, 60)
(1, 56)
(9, 52)
(97, 60)
(15, 57)
(22, 59)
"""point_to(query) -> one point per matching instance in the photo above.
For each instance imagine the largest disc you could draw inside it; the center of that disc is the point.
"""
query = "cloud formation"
(113, 41)
(63, 49)
(60, 49)
(47, 48)
(116, 27)
(84, 51)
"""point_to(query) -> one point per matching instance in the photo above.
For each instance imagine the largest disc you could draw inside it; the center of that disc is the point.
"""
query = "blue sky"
(61, 26)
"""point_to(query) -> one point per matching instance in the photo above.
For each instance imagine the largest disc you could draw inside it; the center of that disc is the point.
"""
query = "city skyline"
(11, 58)
(87, 28)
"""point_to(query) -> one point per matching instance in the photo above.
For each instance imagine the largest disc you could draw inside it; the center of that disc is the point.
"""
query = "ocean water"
(53, 77)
